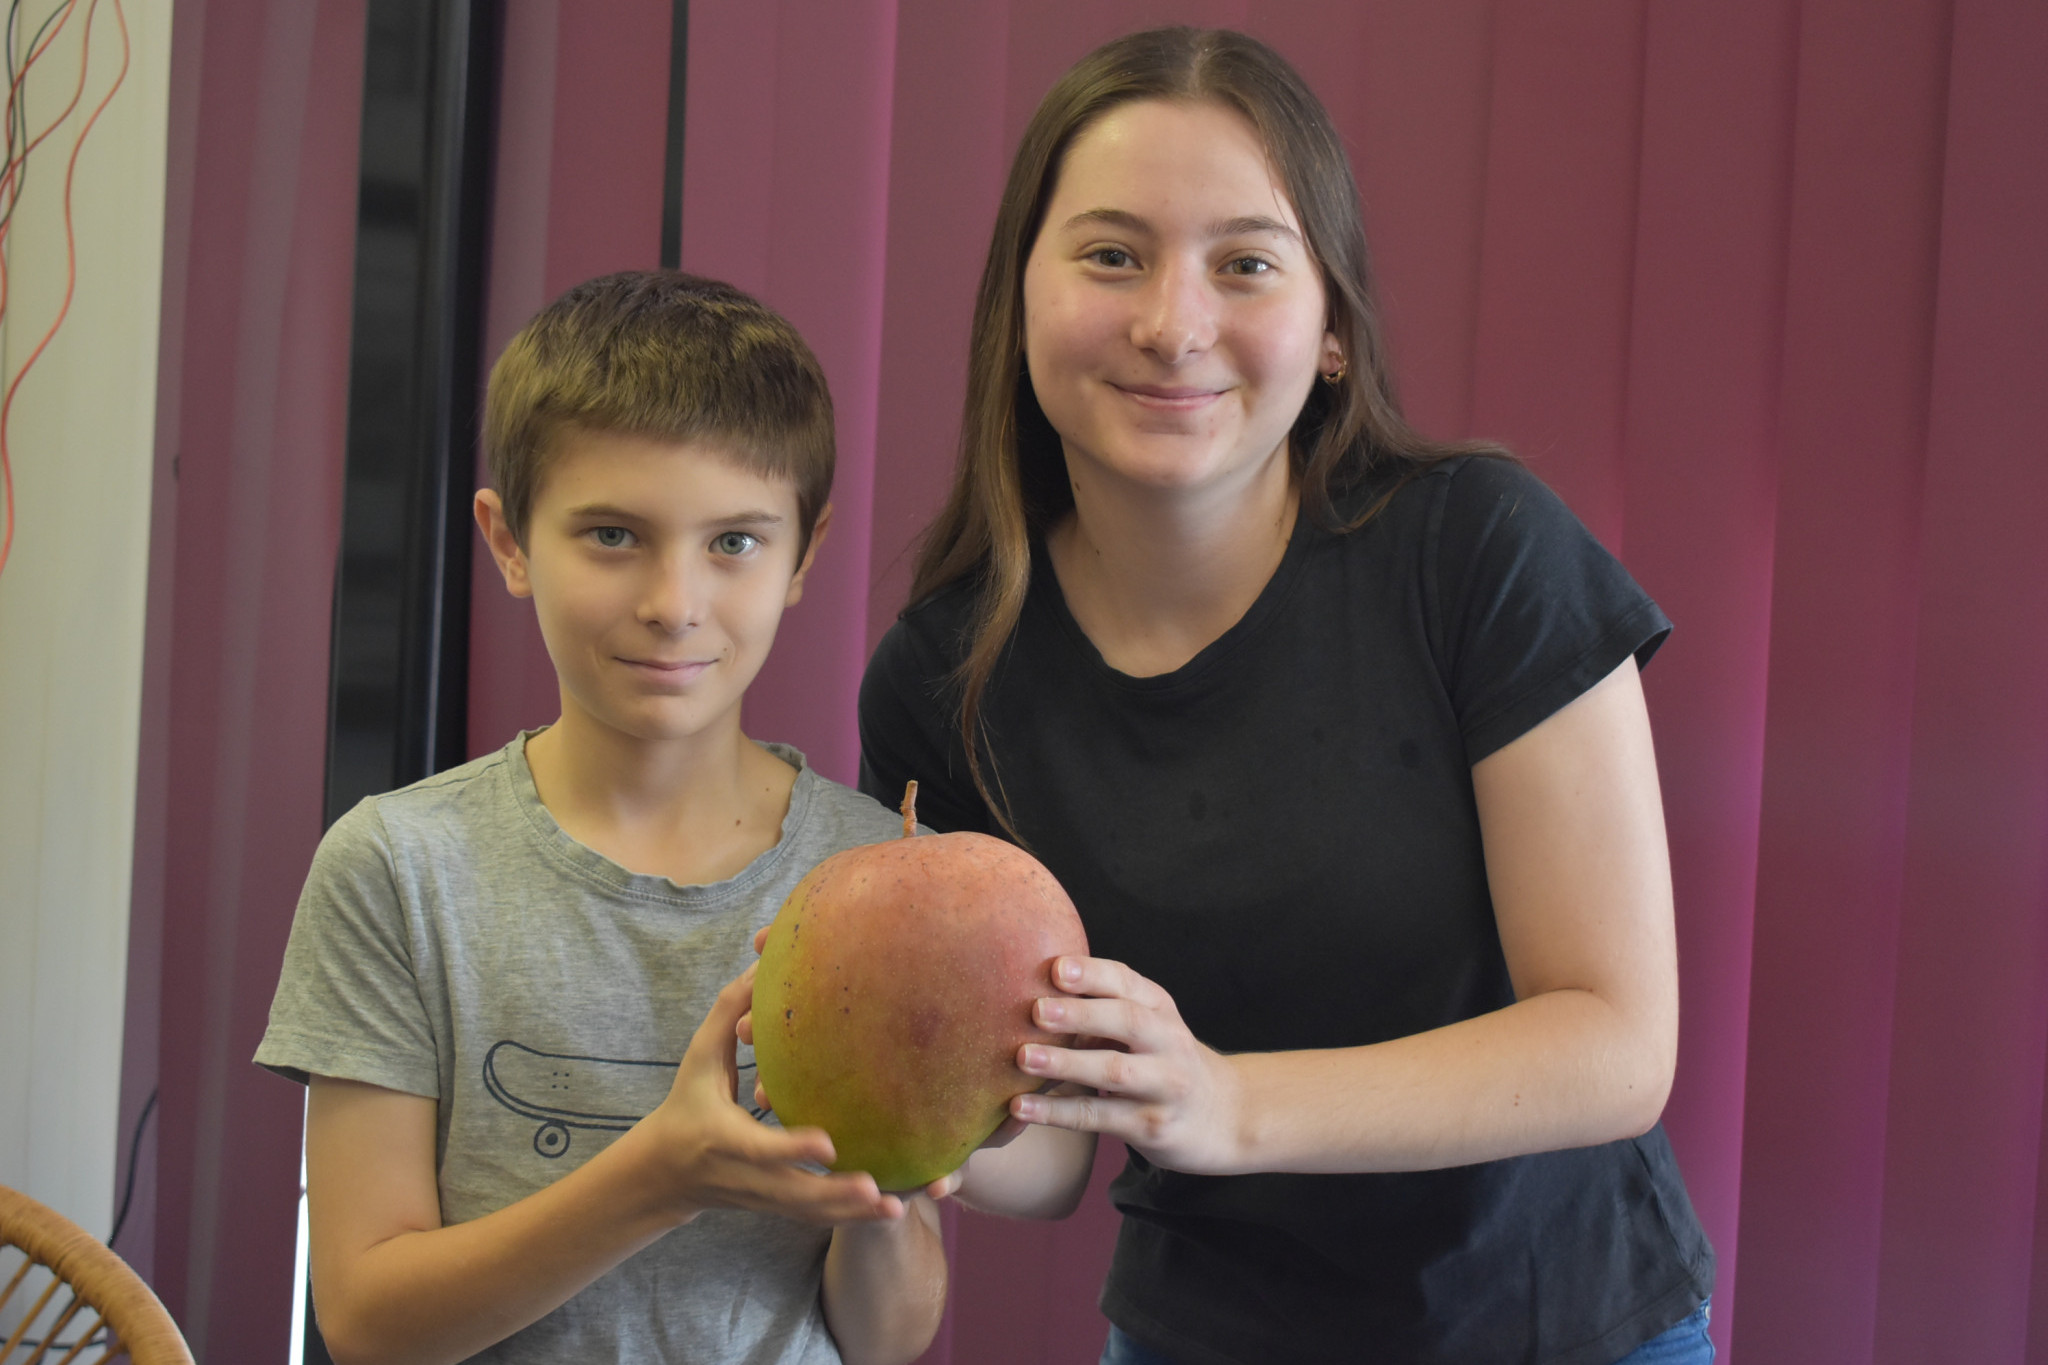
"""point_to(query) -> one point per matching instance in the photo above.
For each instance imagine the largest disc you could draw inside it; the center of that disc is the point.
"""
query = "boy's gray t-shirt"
(453, 942)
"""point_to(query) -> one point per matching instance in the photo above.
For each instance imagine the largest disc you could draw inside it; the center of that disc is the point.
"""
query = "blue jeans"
(1685, 1344)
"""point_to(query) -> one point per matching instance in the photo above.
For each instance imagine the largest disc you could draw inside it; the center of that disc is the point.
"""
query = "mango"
(895, 987)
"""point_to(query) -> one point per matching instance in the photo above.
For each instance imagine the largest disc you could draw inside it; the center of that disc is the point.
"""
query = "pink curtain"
(1761, 287)
(252, 406)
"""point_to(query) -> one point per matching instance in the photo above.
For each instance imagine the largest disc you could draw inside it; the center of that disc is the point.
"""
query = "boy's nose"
(672, 601)
(1178, 316)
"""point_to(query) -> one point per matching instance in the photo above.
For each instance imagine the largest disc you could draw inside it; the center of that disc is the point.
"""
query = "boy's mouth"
(673, 673)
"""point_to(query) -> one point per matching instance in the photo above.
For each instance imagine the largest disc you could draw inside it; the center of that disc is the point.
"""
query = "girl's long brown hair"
(1009, 482)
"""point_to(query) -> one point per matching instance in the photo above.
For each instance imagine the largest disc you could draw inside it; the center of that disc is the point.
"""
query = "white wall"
(71, 602)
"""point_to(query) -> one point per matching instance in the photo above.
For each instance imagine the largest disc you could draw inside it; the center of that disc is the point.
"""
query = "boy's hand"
(719, 1156)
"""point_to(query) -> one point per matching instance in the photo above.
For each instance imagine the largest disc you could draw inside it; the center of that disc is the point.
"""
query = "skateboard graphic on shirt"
(563, 1092)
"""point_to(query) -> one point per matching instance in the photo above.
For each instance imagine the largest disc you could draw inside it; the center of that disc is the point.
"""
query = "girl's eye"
(611, 537)
(1248, 265)
(1114, 257)
(734, 543)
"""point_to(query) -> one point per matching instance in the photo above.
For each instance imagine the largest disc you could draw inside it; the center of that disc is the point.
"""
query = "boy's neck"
(695, 810)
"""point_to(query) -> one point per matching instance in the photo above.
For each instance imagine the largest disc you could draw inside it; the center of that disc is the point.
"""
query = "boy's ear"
(796, 583)
(490, 518)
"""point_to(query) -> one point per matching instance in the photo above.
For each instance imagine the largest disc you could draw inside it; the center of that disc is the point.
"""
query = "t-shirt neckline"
(1267, 606)
(589, 864)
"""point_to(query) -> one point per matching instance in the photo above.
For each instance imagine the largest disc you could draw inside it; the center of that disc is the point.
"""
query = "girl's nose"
(1178, 318)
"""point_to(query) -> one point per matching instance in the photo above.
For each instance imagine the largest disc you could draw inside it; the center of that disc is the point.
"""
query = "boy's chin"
(665, 725)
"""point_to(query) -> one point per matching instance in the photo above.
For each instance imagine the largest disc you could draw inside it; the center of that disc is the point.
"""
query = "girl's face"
(1173, 320)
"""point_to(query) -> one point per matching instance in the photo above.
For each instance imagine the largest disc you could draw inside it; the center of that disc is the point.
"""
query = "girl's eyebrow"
(1248, 225)
(1253, 223)
(1116, 218)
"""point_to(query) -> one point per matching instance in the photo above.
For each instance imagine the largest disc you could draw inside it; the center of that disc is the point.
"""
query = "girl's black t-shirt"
(1282, 834)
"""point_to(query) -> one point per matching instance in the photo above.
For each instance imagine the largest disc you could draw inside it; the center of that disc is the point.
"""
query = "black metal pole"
(672, 175)
(401, 604)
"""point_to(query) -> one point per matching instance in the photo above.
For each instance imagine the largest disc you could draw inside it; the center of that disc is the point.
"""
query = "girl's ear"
(505, 548)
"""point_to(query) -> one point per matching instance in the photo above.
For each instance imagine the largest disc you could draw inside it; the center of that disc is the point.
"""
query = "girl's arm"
(1573, 828)
(1040, 1173)
(391, 1284)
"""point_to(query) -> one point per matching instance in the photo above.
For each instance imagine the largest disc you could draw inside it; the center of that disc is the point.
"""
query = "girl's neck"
(1153, 579)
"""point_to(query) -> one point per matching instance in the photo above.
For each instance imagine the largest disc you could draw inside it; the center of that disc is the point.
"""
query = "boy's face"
(659, 572)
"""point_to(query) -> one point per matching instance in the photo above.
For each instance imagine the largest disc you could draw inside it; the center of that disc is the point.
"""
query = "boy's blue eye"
(611, 537)
(734, 543)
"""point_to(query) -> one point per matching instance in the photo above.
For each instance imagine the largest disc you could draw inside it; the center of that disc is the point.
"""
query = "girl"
(1336, 738)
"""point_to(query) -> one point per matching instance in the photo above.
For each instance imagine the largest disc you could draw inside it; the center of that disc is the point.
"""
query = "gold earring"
(1335, 377)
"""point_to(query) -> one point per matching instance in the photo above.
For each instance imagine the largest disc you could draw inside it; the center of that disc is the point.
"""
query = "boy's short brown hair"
(668, 356)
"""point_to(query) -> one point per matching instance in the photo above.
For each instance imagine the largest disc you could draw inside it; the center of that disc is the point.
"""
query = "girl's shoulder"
(933, 631)
(1465, 480)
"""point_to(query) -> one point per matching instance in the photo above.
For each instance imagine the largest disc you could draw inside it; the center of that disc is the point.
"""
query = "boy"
(492, 972)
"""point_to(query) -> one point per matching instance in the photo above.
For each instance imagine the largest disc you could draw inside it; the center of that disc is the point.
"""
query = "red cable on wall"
(10, 181)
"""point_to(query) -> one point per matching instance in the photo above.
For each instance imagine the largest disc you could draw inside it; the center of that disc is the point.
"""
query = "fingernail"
(1026, 1107)
(1051, 1011)
(1069, 970)
(1034, 1058)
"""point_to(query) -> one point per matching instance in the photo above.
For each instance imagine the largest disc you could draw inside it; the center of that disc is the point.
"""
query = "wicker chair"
(103, 1312)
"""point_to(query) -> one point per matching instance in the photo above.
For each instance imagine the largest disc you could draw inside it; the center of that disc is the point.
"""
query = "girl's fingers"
(1116, 1020)
(1083, 1113)
(1103, 978)
(1120, 1073)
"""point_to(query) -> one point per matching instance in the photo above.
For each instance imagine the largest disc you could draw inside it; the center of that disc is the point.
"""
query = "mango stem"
(909, 809)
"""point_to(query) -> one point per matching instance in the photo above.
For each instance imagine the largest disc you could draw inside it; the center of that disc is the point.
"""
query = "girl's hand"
(1177, 1102)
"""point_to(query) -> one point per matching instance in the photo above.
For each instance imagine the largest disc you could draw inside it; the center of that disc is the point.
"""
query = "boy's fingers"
(798, 1144)
(745, 1028)
(721, 1023)
(760, 938)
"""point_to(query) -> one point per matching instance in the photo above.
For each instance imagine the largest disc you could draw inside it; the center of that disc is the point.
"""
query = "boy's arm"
(885, 1286)
(391, 1284)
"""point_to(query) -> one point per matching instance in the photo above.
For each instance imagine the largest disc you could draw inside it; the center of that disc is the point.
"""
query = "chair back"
(65, 1299)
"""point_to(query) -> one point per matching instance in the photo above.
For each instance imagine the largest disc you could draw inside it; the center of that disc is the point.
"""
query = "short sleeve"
(1530, 610)
(909, 730)
(348, 1004)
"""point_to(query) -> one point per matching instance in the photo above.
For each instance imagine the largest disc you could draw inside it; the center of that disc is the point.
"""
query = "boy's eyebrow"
(748, 517)
(1228, 227)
